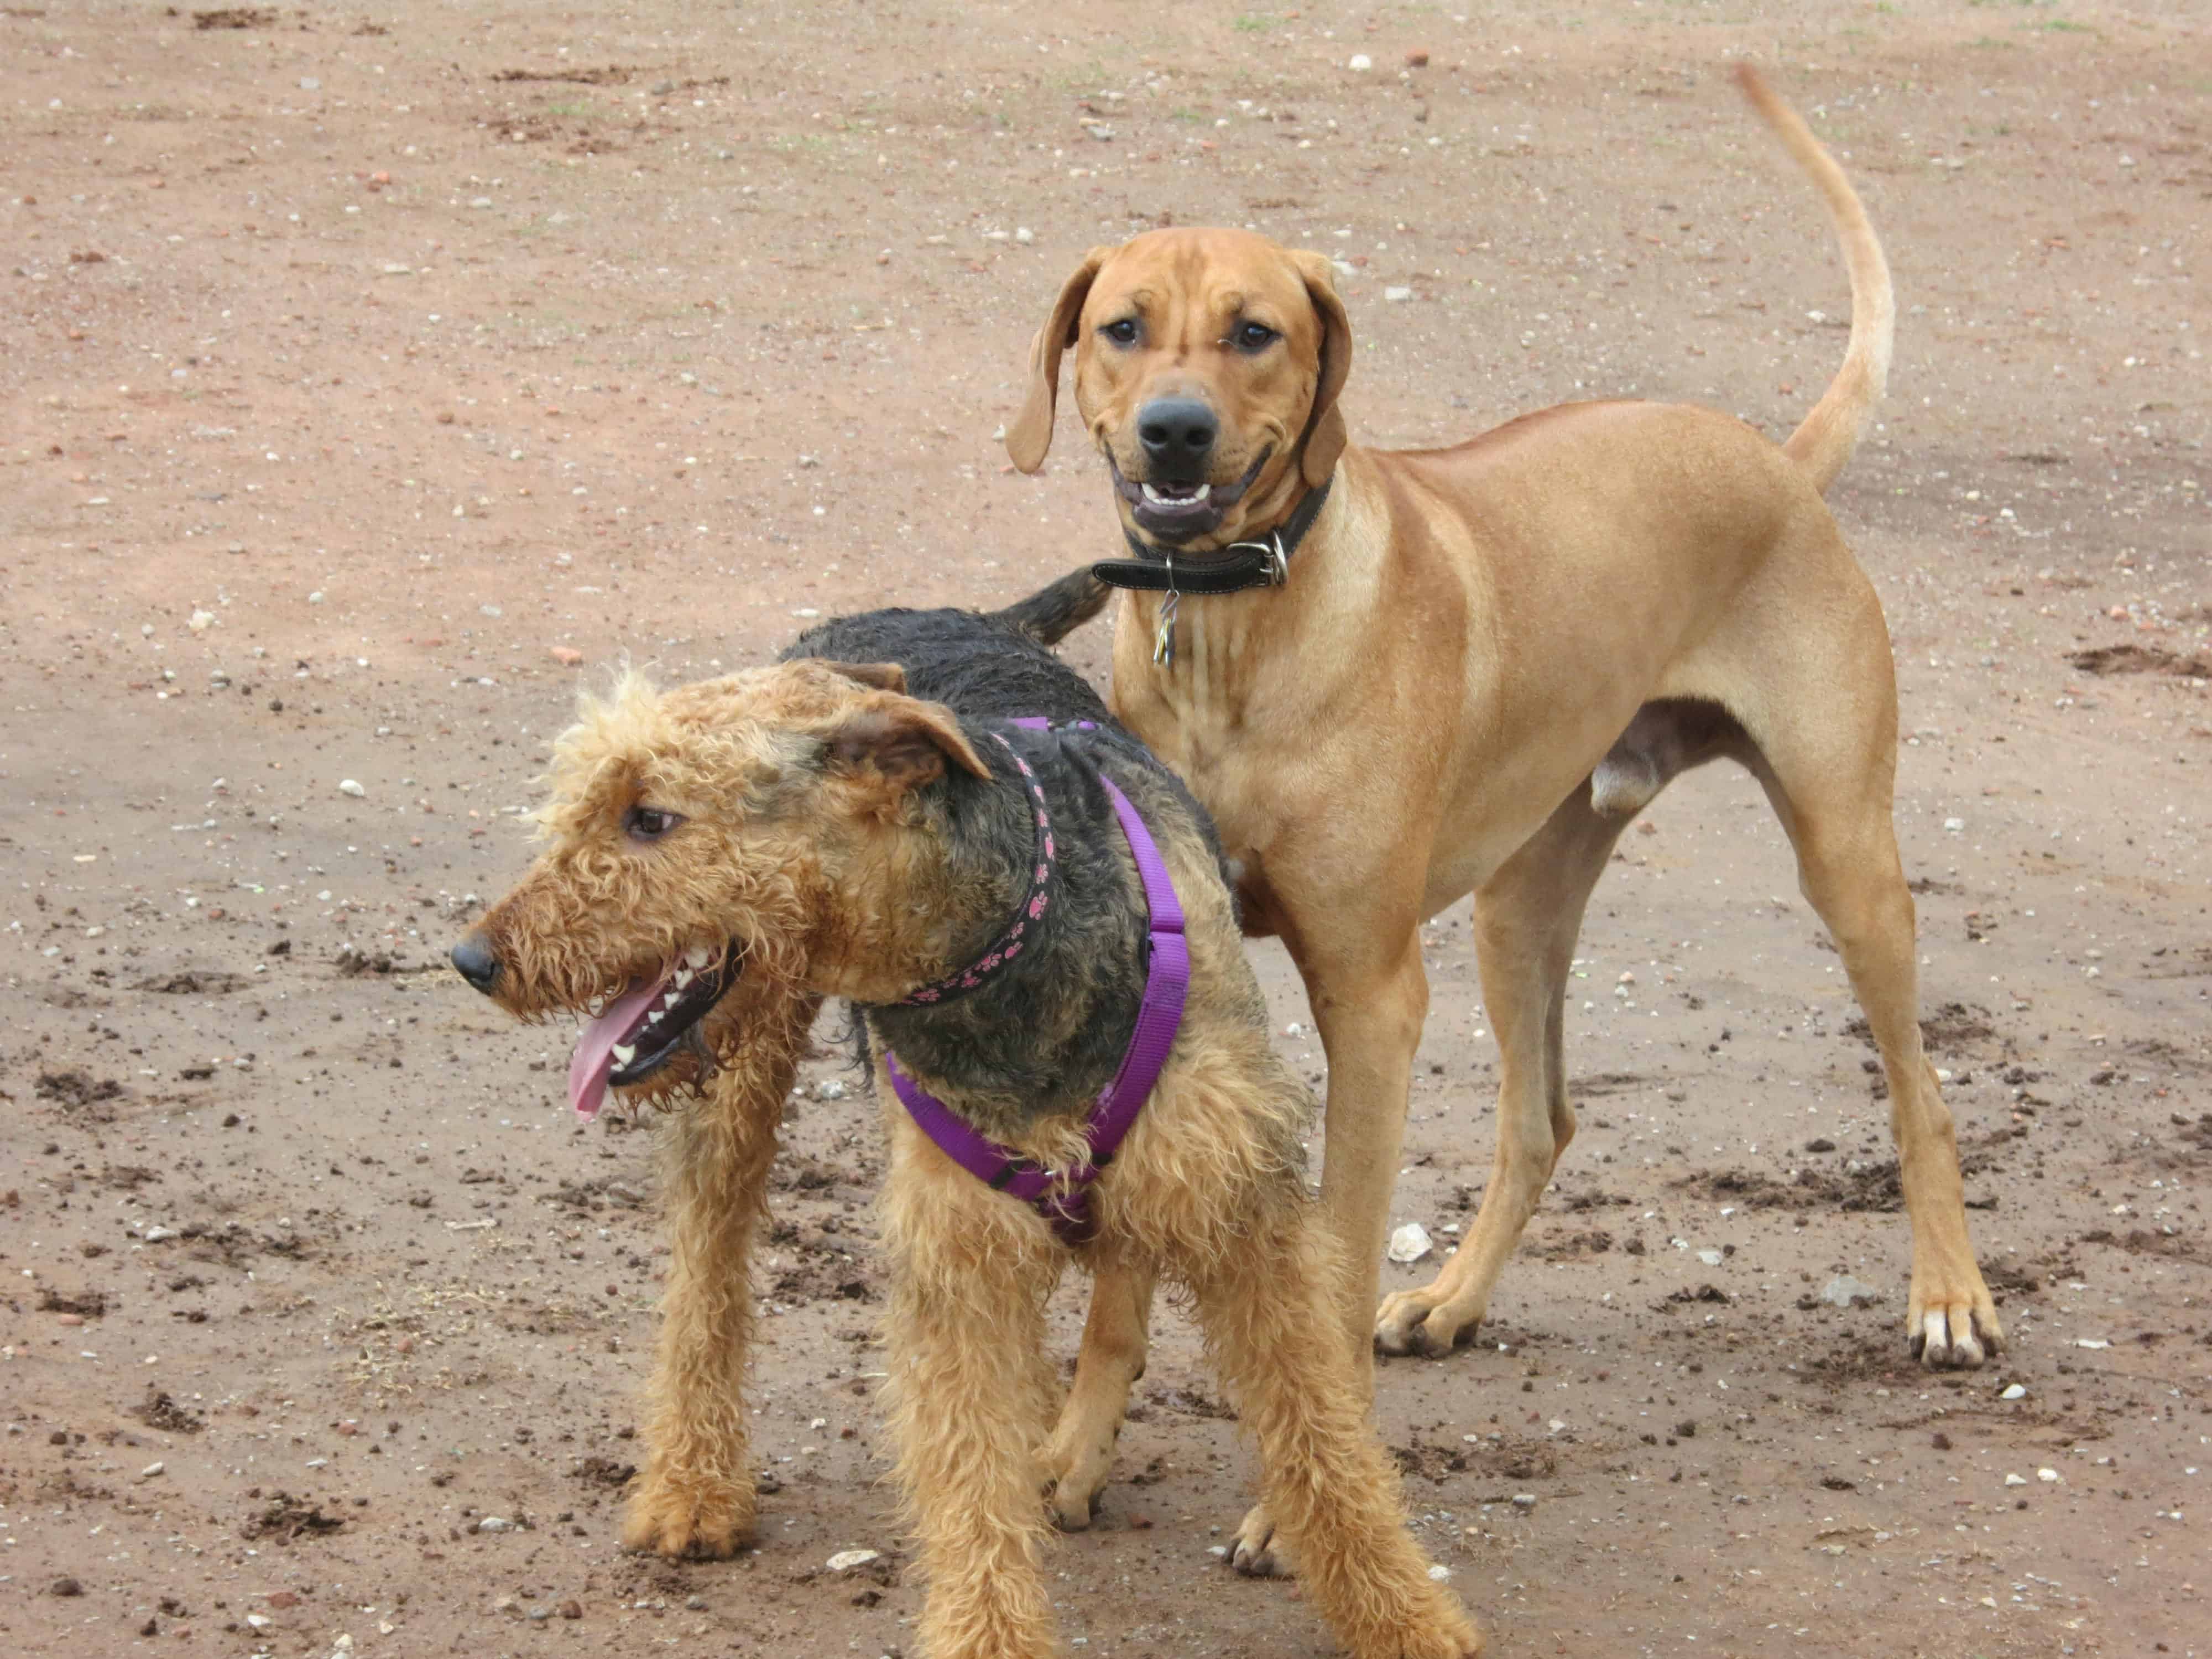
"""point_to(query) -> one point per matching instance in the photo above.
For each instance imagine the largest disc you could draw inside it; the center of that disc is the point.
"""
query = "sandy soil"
(367, 367)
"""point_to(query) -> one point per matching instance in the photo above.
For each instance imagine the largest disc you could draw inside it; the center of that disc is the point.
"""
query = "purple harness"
(1063, 1197)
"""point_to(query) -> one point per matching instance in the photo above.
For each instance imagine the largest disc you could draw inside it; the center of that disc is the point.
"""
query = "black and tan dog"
(1397, 678)
(1018, 910)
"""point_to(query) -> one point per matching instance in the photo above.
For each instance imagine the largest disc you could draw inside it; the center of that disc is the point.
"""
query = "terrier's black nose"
(474, 960)
(1177, 432)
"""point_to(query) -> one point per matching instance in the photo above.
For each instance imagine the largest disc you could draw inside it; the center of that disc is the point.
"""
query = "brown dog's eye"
(649, 823)
(1121, 332)
(1254, 337)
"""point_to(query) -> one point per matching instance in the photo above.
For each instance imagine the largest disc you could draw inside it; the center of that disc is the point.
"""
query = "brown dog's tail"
(1052, 613)
(1824, 442)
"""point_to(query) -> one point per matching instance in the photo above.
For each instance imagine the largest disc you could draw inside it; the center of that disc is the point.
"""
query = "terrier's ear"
(883, 676)
(904, 740)
(1028, 434)
(1325, 434)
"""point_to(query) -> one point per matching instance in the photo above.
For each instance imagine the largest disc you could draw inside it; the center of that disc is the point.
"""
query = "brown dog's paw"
(704, 1522)
(1951, 1322)
(1261, 1552)
(1422, 1323)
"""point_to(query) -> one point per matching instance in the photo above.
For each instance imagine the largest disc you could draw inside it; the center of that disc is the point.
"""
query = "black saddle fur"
(1045, 1033)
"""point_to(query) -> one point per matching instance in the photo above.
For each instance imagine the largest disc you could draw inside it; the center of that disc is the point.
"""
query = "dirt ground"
(367, 368)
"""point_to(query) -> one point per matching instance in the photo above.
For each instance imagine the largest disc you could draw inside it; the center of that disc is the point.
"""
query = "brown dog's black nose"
(1178, 434)
(474, 960)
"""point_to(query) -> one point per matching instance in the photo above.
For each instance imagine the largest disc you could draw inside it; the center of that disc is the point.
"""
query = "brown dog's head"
(718, 850)
(1208, 366)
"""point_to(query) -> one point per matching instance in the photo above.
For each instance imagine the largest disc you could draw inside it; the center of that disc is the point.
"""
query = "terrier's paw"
(1261, 1552)
(703, 1520)
(1422, 1322)
(1953, 1327)
(1445, 1632)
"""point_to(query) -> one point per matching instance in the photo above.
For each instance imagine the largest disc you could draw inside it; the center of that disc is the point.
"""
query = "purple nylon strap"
(1063, 1197)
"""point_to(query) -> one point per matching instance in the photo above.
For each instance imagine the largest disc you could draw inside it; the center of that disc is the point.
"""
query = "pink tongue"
(595, 1049)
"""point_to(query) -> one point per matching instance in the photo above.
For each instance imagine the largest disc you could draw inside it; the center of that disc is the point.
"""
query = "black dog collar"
(1241, 565)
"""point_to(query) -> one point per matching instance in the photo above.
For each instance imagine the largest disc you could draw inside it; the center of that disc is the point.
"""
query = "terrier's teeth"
(684, 977)
(625, 1052)
(697, 956)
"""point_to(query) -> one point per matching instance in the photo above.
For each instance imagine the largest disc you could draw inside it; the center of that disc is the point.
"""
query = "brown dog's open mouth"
(640, 1031)
(1174, 512)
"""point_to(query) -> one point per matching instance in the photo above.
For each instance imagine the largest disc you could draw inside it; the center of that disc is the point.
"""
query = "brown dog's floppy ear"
(883, 676)
(1325, 435)
(905, 740)
(1028, 435)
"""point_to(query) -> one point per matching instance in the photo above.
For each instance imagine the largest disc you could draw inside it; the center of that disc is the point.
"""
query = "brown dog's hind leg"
(1080, 1454)
(1839, 821)
(1325, 1478)
(970, 1398)
(1527, 917)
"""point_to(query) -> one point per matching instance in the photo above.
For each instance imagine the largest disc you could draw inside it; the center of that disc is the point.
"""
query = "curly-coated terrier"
(1019, 909)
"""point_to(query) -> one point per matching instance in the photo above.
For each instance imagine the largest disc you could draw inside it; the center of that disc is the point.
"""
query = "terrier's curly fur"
(817, 831)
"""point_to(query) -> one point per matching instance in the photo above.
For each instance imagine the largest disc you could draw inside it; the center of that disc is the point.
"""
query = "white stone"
(351, 787)
(846, 1560)
(1843, 1291)
(2015, 1391)
(1410, 1243)
(1397, 296)
(1360, 63)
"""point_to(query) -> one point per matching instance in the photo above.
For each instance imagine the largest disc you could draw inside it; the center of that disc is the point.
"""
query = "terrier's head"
(766, 828)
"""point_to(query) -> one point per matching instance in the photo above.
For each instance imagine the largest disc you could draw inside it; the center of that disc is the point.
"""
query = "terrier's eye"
(1254, 337)
(1121, 332)
(649, 823)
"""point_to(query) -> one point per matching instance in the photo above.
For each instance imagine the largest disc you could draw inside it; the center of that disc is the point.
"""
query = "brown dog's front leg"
(695, 1496)
(1370, 1010)
(1080, 1454)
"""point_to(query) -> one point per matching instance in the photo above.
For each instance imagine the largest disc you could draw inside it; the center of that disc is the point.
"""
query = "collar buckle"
(1274, 557)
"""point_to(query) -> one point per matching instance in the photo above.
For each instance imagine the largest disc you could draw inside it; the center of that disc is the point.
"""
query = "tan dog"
(1484, 661)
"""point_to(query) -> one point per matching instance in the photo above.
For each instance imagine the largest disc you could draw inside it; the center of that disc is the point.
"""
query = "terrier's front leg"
(695, 1497)
(970, 1397)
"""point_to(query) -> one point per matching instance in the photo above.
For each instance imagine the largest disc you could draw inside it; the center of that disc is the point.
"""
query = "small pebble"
(1524, 1500)
(2016, 1391)
(846, 1560)
(351, 787)
(1360, 63)
(1397, 296)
